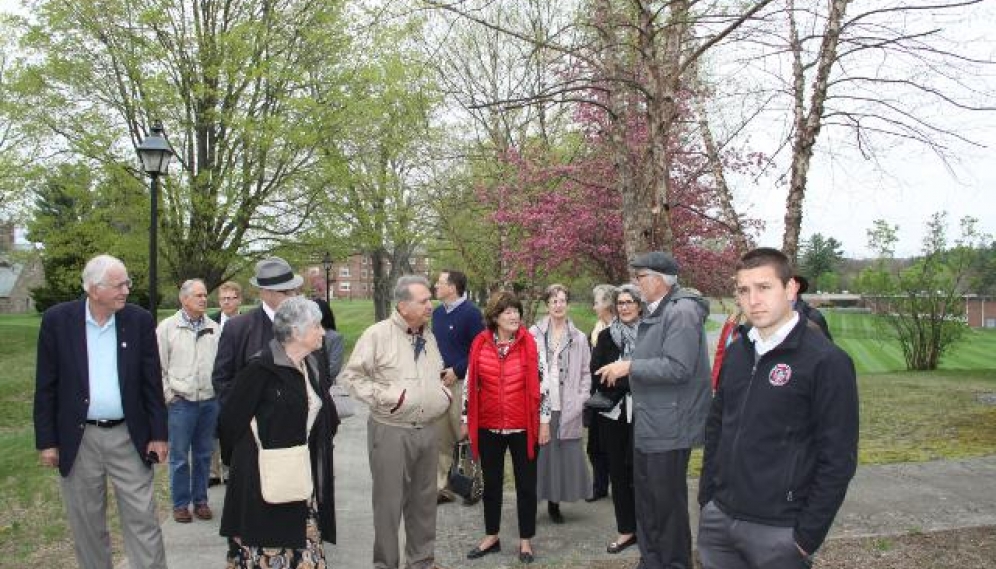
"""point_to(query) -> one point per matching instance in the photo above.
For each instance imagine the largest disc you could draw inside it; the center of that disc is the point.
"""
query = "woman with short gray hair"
(284, 390)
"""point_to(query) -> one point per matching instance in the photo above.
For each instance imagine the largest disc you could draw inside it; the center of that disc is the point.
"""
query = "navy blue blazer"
(243, 337)
(62, 383)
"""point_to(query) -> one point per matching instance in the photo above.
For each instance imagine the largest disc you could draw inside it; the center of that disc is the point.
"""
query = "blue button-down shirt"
(102, 363)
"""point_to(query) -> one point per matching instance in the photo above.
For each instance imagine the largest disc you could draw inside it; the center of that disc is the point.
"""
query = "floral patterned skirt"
(311, 556)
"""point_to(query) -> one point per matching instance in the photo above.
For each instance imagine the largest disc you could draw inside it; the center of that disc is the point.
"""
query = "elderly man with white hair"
(99, 415)
(395, 368)
(188, 342)
(669, 378)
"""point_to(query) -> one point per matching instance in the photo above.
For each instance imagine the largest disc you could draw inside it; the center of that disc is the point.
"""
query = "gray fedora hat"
(275, 274)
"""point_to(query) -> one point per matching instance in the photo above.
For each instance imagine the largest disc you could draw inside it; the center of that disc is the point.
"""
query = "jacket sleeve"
(225, 359)
(47, 385)
(475, 323)
(835, 409)
(682, 338)
(240, 408)
(713, 433)
(335, 354)
(152, 379)
(358, 374)
(163, 340)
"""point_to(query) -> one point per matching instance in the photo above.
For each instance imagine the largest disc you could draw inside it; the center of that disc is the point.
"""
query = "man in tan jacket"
(396, 369)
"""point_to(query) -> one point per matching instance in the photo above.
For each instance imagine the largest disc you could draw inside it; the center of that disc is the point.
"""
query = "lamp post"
(327, 264)
(156, 154)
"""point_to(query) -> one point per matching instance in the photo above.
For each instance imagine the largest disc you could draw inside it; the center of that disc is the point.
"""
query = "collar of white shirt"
(762, 346)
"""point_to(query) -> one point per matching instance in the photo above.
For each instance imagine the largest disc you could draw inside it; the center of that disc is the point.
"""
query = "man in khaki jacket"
(188, 342)
(395, 368)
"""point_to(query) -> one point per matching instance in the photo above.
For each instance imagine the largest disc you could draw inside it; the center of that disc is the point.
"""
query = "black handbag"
(600, 402)
(465, 474)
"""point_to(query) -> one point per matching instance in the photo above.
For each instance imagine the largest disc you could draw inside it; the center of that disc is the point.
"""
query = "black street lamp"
(327, 263)
(156, 154)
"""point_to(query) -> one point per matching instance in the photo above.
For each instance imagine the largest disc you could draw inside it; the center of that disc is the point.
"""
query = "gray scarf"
(624, 336)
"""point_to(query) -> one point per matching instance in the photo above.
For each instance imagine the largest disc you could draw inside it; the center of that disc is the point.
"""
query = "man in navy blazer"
(99, 413)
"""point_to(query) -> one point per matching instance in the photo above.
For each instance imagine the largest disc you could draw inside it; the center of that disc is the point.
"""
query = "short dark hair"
(497, 304)
(457, 279)
(767, 257)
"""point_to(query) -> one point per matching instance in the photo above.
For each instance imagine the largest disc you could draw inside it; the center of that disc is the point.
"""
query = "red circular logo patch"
(780, 375)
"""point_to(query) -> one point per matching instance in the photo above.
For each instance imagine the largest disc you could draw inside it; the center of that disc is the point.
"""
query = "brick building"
(18, 274)
(980, 311)
(352, 278)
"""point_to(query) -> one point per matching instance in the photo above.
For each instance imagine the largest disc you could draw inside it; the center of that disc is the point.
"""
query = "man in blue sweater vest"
(455, 324)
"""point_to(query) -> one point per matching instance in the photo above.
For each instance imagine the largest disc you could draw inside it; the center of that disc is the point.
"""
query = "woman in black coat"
(288, 394)
(614, 427)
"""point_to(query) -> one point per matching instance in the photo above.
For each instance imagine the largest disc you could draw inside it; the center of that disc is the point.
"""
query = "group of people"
(116, 394)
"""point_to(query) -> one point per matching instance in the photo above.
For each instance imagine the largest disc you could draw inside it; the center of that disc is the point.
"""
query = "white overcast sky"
(846, 193)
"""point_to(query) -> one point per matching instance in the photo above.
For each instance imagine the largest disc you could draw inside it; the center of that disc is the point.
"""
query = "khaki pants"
(109, 454)
(402, 466)
(448, 431)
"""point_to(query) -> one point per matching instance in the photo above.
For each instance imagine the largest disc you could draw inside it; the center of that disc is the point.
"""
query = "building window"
(344, 272)
(344, 287)
(364, 258)
(363, 273)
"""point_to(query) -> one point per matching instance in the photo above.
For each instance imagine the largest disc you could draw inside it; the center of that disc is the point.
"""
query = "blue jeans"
(191, 432)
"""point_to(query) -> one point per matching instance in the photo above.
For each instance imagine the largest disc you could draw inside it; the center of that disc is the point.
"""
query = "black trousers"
(660, 481)
(617, 439)
(492, 448)
(599, 459)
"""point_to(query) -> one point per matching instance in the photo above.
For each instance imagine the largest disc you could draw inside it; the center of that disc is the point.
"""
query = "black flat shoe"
(596, 498)
(478, 552)
(616, 547)
(553, 508)
(526, 557)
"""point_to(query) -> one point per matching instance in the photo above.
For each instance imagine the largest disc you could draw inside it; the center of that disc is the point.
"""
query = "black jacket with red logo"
(782, 435)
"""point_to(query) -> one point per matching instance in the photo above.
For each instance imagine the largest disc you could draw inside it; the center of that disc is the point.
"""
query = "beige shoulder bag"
(284, 473)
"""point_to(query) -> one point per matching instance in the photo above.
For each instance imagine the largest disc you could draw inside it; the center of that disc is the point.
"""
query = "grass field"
(904, 417)
(875, 352)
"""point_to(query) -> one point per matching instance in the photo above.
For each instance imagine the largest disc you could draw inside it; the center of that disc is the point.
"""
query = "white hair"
(294, 317)
(96, 269)
(402, 292)
(669, 280)
(186, 289)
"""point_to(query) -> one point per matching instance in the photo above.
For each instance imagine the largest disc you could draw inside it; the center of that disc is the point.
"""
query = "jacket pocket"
(657, 422)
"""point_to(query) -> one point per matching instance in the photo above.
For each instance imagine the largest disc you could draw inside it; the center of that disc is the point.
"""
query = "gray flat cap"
(275, 274)
(658, 261)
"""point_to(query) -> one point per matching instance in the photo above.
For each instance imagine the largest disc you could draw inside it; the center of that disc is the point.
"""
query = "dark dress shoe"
(213, 481)
(444, 497)
(616, 547)
(478, 552)
(526, 557)
(596, 497)
(553, 508)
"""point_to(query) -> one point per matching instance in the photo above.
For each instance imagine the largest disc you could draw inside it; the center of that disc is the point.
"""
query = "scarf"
(624, 336)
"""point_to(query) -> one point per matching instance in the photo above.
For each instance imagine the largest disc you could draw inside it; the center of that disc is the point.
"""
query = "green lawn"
(874, 352)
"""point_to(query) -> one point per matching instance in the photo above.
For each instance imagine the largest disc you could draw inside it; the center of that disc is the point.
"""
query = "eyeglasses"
(119, 286)
(625, 302)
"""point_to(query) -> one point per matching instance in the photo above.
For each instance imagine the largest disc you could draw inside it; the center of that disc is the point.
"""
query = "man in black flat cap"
(246, 334)
(669, 378)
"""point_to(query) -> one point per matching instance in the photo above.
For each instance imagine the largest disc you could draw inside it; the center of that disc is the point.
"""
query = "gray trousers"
(109, 454)
(403, 465)
(448, 430)
(726, 543)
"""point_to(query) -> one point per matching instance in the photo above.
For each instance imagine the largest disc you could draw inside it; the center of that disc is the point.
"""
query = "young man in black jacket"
(782, 434)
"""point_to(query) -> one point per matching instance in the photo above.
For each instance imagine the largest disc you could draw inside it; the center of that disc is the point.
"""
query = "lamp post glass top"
(155, 152)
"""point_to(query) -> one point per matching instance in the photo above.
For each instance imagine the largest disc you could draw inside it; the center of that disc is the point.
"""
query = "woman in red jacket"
(502, 412)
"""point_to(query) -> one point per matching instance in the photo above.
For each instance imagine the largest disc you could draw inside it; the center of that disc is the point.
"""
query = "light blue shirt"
(102, 363)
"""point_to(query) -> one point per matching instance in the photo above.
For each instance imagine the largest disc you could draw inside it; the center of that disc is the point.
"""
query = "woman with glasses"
(565, 369)
(614, 427)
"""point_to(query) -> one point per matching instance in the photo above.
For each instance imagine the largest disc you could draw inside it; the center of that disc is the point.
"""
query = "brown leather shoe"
(203, 512)
(182, 515)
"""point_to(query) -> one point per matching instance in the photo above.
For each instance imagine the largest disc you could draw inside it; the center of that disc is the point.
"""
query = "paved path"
(889, 499)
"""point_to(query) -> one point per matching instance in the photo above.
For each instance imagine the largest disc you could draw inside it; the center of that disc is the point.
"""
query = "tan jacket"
(383, 366)
(187, 358)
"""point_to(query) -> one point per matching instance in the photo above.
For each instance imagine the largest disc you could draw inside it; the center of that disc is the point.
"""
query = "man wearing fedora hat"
(670, 380)
(246, 334)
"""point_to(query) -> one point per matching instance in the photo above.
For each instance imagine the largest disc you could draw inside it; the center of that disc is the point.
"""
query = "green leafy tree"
(231, 83)
(821, 256)
(80, 213)
(921, 306)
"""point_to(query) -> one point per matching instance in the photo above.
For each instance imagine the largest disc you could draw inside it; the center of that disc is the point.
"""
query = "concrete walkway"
(891, 499)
